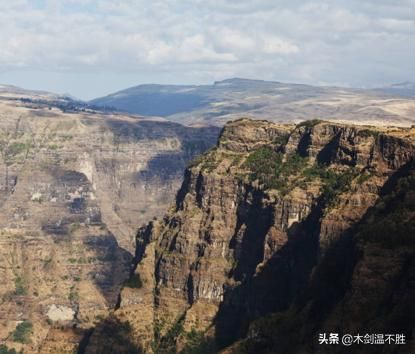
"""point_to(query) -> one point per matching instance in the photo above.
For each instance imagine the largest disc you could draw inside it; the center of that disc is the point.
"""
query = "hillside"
(279, 233)
(274, 101)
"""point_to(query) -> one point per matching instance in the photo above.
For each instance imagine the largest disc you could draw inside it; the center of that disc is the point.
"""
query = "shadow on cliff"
(115, 262)
(189, 137)
(276, 285)
(253, 222)
(299, 282)
(168, 165)
(113, 337)
(165, 168)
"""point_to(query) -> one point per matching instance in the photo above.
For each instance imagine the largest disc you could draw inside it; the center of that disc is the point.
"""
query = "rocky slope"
(74, 187)
(279, 233)
(275, 101)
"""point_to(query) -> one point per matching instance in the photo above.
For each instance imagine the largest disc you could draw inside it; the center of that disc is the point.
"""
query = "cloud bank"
(92, 46)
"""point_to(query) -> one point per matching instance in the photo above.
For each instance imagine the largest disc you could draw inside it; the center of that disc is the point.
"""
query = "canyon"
(75, 184)
(253, 242)
(278, 233)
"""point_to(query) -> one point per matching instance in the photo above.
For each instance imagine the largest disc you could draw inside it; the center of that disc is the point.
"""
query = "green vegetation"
(281, 140)
(75, 226)
(158, 327)
(73, 295)
(392, 222)
(236, 161)
(167, 343)
(22, 332)
(364, 176)
(207, 160)
(5, 350)
(196, 161)
(267, 166)
(196, 343)
(134, 281)
(17, 148)
(277, 330)
(334, 183)
(20, 286)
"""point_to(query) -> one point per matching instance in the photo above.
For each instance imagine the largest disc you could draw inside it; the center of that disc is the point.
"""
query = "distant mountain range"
(10, 91)
(37, 98)
(230, 99)
(276, 101)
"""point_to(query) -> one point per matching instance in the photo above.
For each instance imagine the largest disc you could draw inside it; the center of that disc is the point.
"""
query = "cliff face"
(267, 224)
(74, 187)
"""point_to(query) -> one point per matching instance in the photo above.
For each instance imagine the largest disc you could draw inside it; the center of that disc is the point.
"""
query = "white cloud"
(351, 41)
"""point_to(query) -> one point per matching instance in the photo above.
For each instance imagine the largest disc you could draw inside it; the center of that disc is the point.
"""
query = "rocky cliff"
(74, 187)
(279, 233)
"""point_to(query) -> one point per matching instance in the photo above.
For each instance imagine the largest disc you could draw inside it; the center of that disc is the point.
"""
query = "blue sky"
(89, 48)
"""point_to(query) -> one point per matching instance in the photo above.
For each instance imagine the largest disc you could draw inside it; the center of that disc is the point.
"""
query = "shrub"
(73, 294)
(207, 159)
(17, 148)
(167, 343)
(22, 332)
(334, 183)
(20, 286)
(196, 343)
(134, 281)
(5, 350)
(267, 166)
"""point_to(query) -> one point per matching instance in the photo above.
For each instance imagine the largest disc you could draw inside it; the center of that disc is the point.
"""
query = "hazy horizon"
(129, 86)
(90, 48)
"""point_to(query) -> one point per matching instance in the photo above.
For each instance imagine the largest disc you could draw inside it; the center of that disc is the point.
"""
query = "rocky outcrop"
(256, 220)
(74, 187)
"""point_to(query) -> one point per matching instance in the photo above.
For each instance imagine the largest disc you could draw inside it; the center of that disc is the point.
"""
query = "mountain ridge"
(259, 99)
